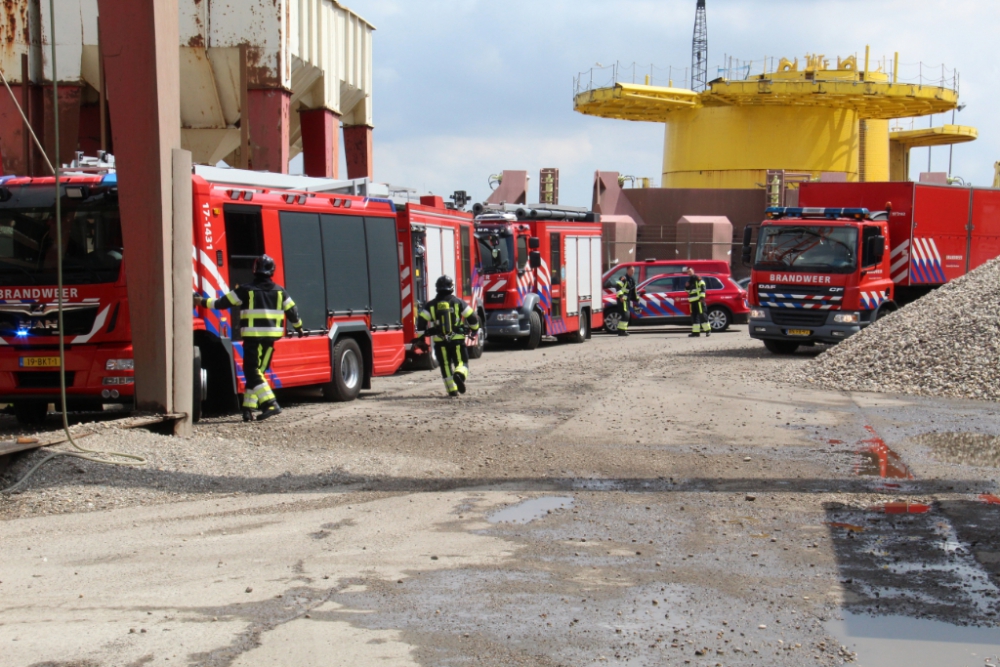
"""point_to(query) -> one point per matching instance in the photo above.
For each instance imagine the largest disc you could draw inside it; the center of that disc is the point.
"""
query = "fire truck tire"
(348, 372)
(534, 337)
(476, 351)
(719, 318)
(199, 383)
(781, 346)
(583, 333)
(30, 413)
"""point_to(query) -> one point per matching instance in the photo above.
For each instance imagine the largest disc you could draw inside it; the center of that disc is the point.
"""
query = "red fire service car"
(336, 253)
(654, 267)
(664, 301)
(541, 270)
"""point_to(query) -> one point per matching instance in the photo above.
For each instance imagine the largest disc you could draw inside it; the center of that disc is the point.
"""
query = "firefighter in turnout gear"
(695, 287)
(627, 296)
(263, 306)
(449, 319)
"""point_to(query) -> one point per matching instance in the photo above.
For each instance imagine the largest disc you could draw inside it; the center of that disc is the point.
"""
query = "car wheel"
(30, 413)
(719, 318)
(781, 346)
(611, 319)
(348, 371)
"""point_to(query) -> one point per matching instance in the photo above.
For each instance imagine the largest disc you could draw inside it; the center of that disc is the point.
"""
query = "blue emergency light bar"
(778, 212)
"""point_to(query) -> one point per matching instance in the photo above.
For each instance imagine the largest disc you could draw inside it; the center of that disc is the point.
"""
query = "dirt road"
(655, 500)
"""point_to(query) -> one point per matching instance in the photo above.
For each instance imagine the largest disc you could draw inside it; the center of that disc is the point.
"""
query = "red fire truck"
(336, 253)
(822, 274)
(541, 270)
(435, 241)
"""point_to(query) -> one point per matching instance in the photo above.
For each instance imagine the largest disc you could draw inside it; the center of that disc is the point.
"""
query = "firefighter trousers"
(453, 357)
(257, 354)
(626, 313)
(699, 319)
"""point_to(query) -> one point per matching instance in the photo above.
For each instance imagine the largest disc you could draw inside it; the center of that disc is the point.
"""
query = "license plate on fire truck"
(39, 362)
(799, 332)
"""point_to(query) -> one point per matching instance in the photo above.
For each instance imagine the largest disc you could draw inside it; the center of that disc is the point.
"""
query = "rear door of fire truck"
(984, 239)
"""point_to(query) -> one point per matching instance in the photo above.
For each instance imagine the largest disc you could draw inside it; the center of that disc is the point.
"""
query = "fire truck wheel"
(583, 333)
(30, 413)
(348, 370)
(719, 318)
(611, 319)
(199, 383)
(476, 351)
(781, 346)
(534, 337)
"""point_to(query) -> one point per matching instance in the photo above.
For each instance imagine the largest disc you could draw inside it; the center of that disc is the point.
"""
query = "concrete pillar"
(358, 151)
(268, 113)
(320, 142)
(183, 280)
(139, 45)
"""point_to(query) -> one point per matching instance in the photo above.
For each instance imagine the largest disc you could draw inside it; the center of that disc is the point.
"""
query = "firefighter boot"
(460, 382)
(694, 335)
(270, 409)
(247, 415)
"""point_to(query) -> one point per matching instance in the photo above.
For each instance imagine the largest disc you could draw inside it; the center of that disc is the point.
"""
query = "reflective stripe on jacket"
(452, 318)
(263, 307)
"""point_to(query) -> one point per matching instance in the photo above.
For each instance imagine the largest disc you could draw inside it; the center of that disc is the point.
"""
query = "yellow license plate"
(799, 332)
(39, 362)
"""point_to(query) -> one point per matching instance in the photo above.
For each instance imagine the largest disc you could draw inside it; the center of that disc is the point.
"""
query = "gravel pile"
(946, 344)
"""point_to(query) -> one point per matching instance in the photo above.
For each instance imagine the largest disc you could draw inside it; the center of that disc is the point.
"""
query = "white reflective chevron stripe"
(406, 291)
(407, 309)
(900, 249)
(98, 324)
(209, 266)
(405, 273)
(497, 285)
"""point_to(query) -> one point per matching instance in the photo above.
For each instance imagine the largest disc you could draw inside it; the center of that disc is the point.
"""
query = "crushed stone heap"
(944, 344)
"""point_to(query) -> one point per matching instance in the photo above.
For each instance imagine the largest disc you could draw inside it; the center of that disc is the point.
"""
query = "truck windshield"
(495, 252)
(807, 248)
(91, 240)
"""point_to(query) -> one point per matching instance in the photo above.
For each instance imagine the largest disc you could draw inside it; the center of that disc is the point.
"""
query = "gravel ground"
(946, 344)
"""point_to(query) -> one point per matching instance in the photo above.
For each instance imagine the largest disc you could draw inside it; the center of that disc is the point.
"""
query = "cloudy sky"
(467, 88)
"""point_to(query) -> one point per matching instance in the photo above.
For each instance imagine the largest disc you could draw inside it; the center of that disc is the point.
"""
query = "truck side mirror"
(535, 259)
(747, 236)
(534, 243)
(875, 250)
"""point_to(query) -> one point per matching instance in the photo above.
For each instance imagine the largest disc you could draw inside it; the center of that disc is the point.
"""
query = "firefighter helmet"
(263, 266)
(445, 285)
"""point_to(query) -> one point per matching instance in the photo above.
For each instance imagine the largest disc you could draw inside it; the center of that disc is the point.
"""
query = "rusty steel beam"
(320, 142)
(358, 151)
(139, 47)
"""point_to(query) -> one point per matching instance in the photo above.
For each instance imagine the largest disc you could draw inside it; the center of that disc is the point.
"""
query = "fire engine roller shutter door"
(583, 266)
(302, 258)
(383, 271)
(984, 241)
(433, 266)
(448, 254)
(596, 302)
(572, 293)
(345, 257)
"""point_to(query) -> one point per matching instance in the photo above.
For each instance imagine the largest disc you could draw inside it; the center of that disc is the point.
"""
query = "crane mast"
(699, 50)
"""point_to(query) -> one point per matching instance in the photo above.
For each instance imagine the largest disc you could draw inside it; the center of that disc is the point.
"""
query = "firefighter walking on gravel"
(696, 291)
(627, 297)
(449, 319)
(263, 306)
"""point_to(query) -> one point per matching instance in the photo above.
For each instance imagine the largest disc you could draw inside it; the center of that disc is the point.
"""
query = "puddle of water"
(877, 460)
(529, 510)
(901, 508)
(972, 449)
(900, 641)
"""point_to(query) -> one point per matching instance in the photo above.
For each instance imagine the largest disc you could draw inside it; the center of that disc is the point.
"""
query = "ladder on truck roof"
(361, 187)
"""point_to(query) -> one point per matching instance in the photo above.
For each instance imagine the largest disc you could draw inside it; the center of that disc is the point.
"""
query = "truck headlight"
(507, 317)
(758, 313)
(120, 365)
(846, 318)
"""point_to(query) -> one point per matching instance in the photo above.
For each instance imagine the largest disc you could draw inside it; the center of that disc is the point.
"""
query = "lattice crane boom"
(699, 50)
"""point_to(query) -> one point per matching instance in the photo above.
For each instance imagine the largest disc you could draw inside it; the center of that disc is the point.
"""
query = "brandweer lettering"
(800, 278)
(38, 293)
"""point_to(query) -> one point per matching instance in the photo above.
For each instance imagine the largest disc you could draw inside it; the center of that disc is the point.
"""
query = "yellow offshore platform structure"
(810, 119)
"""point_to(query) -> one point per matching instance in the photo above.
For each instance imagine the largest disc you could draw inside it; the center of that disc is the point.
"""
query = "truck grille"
(43, 320)
(796, 317)
(42, 379)
(805, 297)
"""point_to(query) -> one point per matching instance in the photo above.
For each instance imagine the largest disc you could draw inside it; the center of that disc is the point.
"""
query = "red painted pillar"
(358, 151)
(139, 45)
(268, 113)
(320, 142)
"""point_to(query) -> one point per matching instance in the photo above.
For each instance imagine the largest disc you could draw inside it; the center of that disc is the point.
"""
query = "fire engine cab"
(541, 271)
